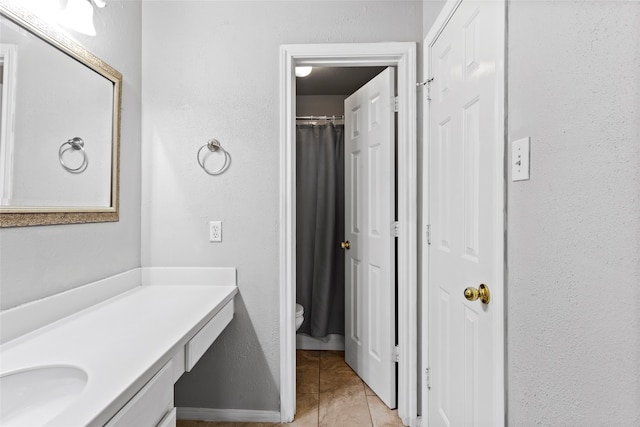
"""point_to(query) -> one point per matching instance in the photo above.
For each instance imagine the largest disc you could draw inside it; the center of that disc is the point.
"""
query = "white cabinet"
(151, 405)
(169, 420)
(141, 357)
(201, 341)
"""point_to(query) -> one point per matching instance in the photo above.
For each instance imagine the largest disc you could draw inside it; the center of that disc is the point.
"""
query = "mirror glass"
(59, 127)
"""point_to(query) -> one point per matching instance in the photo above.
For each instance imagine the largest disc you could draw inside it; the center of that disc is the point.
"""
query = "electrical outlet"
(215, 231)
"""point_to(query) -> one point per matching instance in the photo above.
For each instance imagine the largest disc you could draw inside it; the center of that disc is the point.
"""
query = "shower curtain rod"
(319, 117)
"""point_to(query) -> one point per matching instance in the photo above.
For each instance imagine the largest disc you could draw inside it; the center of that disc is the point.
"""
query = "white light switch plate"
(520, 159)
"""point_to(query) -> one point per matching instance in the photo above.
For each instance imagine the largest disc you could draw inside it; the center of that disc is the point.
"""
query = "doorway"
(403, 57)
(345, 215)
(320, 202)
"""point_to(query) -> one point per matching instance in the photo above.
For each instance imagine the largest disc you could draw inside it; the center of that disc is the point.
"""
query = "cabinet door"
(150, 406)
(199, 344)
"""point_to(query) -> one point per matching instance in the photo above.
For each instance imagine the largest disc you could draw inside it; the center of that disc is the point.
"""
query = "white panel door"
(369, 217)
(464, 138)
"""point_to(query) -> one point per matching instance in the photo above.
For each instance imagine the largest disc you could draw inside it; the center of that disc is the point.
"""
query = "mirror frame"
(18, 216)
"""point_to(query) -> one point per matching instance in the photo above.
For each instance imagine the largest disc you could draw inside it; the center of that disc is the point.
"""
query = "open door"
(370, 279)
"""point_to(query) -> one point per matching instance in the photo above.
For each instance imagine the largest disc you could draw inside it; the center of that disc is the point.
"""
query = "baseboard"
(332, 342)
(228, 415)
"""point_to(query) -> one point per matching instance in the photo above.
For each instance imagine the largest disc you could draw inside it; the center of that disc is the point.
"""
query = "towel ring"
(75, 143)
(214, 145)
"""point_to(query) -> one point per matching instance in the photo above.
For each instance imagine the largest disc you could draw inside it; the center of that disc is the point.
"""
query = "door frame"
(8, 58)
(402, 55)
(498, 290)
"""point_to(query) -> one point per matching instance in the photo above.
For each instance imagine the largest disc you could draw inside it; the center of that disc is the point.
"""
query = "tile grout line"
(366, 398)
(318, 407)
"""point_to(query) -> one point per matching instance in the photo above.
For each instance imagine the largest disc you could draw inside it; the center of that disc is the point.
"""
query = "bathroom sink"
(34, 396)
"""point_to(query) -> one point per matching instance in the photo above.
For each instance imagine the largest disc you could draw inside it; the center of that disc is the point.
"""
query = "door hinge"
(396, 104)
(427, 378)
(396, 229)
(428, 233)
(395, 354)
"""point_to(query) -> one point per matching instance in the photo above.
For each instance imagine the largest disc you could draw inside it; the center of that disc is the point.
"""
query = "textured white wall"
(574, 228)
(211, 69)
(36, 262)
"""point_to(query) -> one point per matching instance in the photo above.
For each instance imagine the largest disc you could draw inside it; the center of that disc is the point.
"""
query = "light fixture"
(78, 15)
(303, 71)
(75, 15)
(46, 10)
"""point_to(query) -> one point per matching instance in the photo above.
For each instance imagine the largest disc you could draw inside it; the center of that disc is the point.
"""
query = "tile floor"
(329, 394)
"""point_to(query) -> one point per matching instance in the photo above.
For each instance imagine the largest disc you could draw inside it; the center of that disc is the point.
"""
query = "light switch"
(520, 159)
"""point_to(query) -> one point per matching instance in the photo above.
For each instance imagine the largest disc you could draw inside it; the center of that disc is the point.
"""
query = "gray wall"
(211, 69)
(574, 228)
(430, 11)
(36, 262)
(320, 105)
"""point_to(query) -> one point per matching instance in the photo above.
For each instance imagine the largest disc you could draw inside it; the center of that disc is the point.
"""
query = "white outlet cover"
(520, 159)
(215, 231)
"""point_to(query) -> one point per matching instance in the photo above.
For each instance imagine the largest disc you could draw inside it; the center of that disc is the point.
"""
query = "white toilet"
(299, 316)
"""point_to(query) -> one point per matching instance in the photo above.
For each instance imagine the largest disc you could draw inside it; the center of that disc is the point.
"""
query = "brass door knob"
(483, 293)
(345, 245)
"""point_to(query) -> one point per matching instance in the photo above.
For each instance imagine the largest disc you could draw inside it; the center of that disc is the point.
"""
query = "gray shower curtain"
(320, 228)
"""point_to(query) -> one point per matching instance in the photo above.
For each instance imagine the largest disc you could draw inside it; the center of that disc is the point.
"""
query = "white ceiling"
(335, 80)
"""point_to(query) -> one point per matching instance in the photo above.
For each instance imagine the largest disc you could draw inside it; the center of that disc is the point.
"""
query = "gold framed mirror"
(59, 126)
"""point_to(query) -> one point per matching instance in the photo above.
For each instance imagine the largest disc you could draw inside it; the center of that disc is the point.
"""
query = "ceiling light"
(303, 71)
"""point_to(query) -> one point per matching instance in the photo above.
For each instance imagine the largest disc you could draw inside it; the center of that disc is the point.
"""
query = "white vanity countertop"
(120, 343)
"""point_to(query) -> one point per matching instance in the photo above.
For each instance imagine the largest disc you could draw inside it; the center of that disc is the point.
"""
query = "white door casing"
(465, 209)
(369, 227)
(8, 59)
(402, 55)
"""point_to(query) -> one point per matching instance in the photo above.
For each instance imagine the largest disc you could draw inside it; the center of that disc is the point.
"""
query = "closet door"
(465, 170)
(370, 280)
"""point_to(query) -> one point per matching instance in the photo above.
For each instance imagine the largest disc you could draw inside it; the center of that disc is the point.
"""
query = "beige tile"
(307, 379)
(345, 407)
(192, 423)
(340, 380)
(307, 358)
(381, 415)
(230, 424)
(332, 360)
(330, 354)
(368, 391)
(306, 411)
